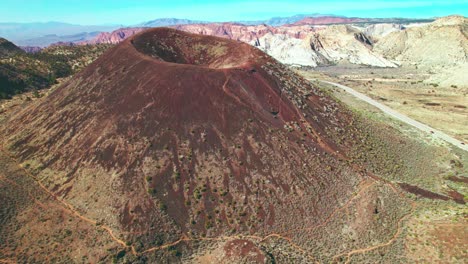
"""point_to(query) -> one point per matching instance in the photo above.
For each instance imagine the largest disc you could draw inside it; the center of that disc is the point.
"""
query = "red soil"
(454, 195)
(458, 179)
(245, 249)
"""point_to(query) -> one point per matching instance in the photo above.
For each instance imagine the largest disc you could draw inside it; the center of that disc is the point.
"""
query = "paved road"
(403, 118)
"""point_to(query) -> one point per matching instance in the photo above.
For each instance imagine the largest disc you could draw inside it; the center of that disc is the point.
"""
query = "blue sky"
(128, 12)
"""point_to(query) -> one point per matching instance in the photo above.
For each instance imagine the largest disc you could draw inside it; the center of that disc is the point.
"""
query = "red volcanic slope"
(327, 20)
(196, 125)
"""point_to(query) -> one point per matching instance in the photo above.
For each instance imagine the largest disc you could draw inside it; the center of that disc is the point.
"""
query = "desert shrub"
(119, 256)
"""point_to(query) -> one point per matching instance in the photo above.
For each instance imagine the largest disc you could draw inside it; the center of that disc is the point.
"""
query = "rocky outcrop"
(363, 38)
(442, 42)
(378, 31)
(289, 50)
(344, 43)
(331, 45)
(315, 43)
(440, 47)
(115, 36)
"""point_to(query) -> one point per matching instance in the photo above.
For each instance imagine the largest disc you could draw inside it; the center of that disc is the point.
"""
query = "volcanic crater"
(172, 135)
(177, 47)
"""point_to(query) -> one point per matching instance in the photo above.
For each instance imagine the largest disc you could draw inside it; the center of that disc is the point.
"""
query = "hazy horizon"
(125, 12)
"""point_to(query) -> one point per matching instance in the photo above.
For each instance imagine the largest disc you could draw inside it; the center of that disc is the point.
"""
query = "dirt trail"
(399, 225)
(330, 217)
(69, 207)
(282, 236)
(185, 238)
(8, 261)
(370, 248)
(389, 242)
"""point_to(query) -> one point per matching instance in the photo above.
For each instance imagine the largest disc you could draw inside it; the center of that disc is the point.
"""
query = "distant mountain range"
(280, 21)
(275, 21)
(54, 38)
(20, 33)
(161, 22)
(44, 34)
